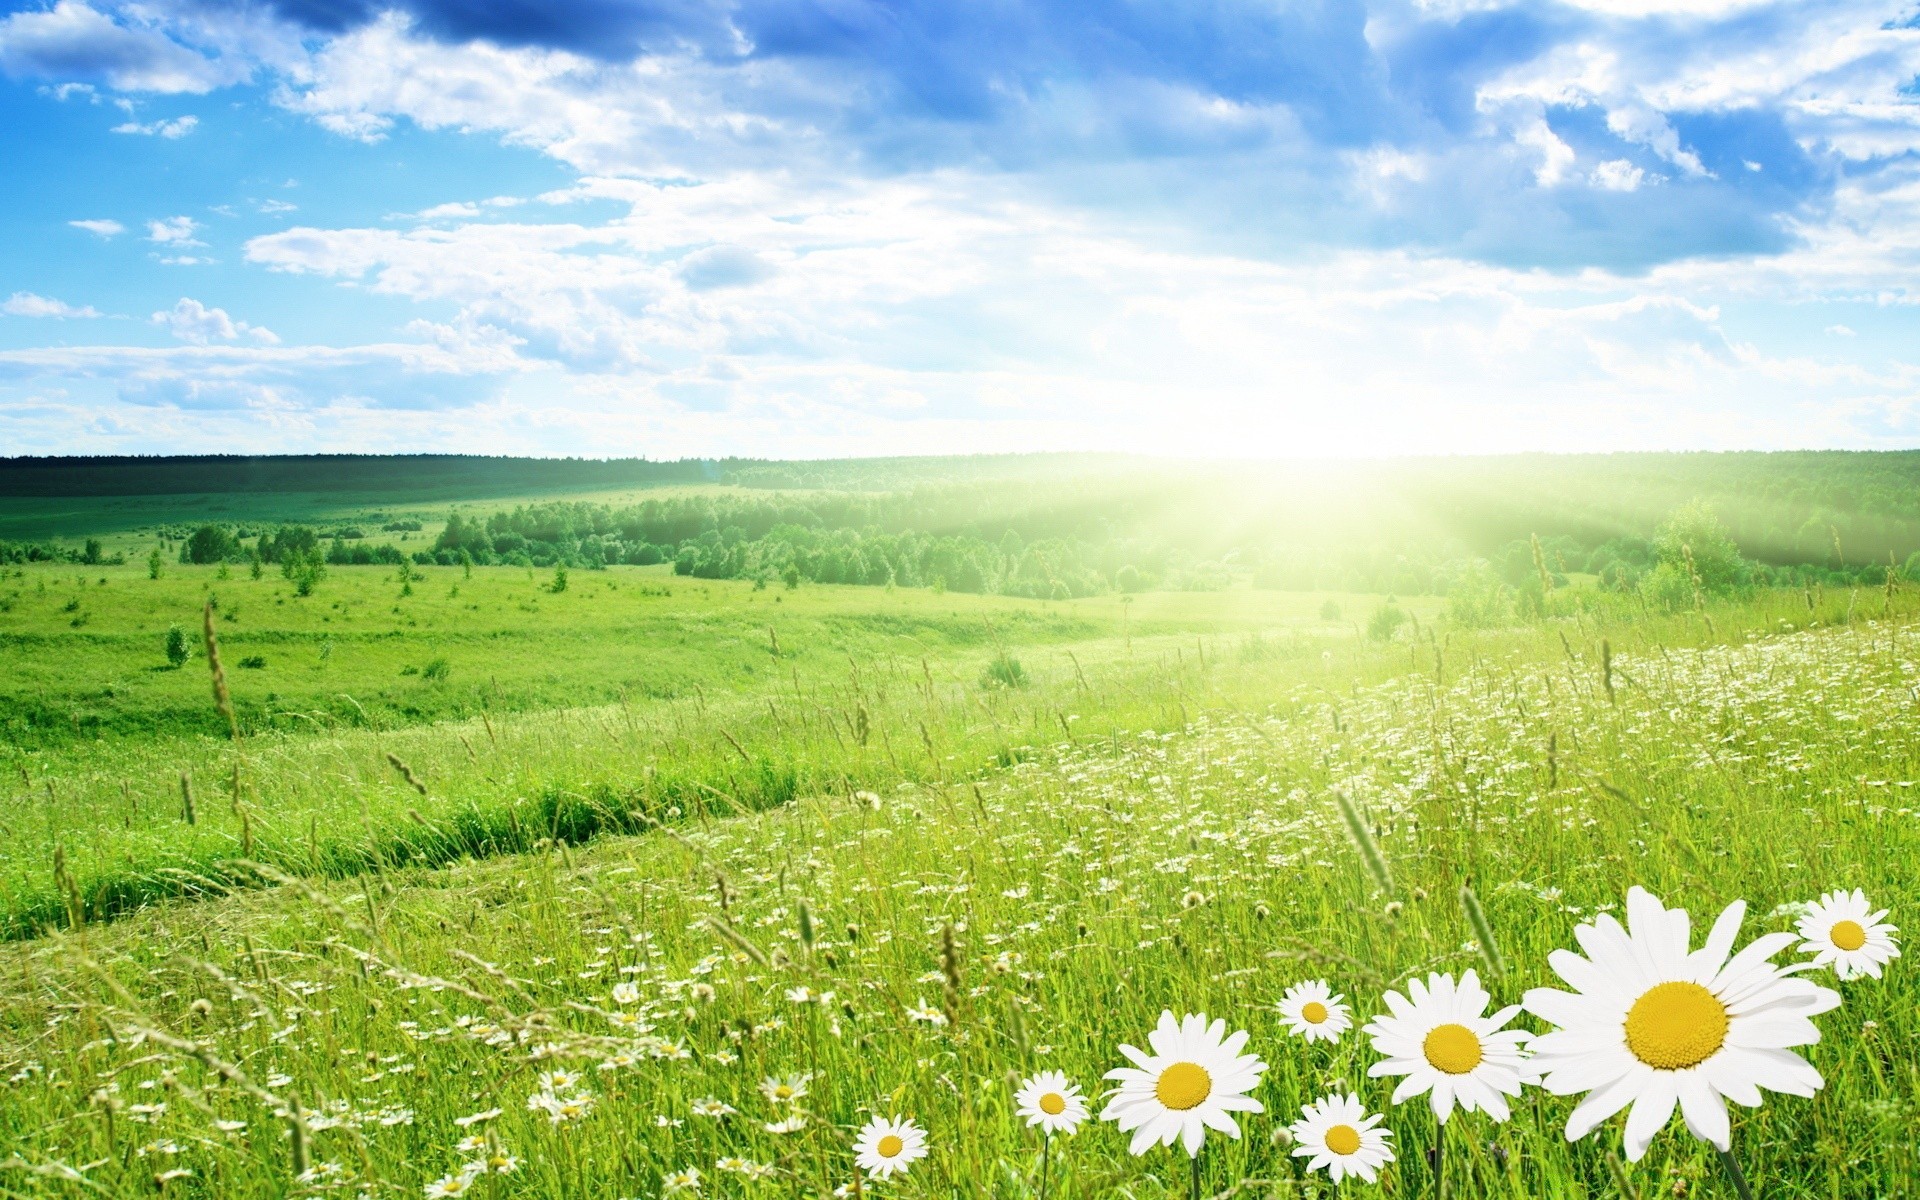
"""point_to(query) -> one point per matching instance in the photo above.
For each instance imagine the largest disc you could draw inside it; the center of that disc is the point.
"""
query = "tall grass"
(914, 923)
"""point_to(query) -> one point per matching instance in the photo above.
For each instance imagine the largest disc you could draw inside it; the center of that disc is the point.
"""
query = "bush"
(1329, 611)
(1385, 621)
(179, 649)
(437, 669)
(1004, 671)
(254, 662)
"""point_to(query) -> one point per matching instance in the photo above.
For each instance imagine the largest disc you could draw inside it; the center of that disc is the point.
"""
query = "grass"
(101, 728)
(1149, 823)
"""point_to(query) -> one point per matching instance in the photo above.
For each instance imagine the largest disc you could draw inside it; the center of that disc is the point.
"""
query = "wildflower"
(682, 1181)
(1335, 1134)
(1841, 932)
(1049, 1101)
(1444, 1046)
(501, 1163)
(626, 993)
(1193, 1079)
(786, 1090)
(476, 1118)
(1653, 1025)
(921, 1011)
(473, 1143)
(558, 1081)
(450, 1185)
(1311, 1010)
(792, 1124)
(712, 1106)
(884, 1147)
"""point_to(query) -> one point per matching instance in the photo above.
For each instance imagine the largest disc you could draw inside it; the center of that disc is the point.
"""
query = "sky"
(811, 228)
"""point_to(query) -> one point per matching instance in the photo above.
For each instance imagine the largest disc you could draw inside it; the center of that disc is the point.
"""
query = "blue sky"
(846, 227)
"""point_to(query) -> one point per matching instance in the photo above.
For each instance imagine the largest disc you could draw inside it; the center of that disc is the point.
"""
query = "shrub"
(254, 662)
(437, 669)
(179, 649)
(1004, 671)
(1385, 621)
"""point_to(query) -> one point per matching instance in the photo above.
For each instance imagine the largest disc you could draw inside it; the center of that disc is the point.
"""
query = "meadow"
(670, 885)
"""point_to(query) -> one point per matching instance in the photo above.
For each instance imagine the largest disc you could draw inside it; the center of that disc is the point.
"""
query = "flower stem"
(1046, 1149)
(1195, 1191)
(1440, 1160)
(1733, 1172)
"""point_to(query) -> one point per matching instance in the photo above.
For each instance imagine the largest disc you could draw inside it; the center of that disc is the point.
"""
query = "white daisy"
(1653, 1025)
(1842, 932)
(682, 1181)
(1337, 1136)
(1445, 1047)
(1193, 1079)
(1312, 1011)
(884, 1147)
(785, 1090)
(1048, 1101)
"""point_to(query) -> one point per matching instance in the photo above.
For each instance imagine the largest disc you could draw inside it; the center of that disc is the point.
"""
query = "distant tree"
(179, 649)
(1330, 611)
(559, 583)
(153, 563)
(1127, 578)
(1386, 621)
(93, 552)
(304, 571)
(791, 576)
(1695, 532)
(210, 544)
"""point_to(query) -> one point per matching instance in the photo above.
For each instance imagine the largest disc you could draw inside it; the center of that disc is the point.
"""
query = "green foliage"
(1695, 542)
(153, 564)
(1003, 671)
(1386, 620)
(179, 649)
(304, 569)
(210, 544)
(437, 669)
(559, 583)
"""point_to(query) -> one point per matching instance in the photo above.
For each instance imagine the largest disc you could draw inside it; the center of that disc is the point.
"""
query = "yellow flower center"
(783, 1092)
(1053, 1104)
(1343, 1139)
(1848, 935)
(1184, 1085)
(890, 1146)
(1676, 1025)
(1453, 1049)
(1313, 1012)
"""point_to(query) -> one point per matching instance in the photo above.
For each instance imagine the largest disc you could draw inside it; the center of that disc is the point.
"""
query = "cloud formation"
(799, 226)
(26, 304)
(191, 321)
(171, 129)
(75, 43)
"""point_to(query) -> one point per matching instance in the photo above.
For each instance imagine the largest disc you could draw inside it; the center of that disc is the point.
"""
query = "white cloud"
(1618, 175)
(191, 321)
(26, 304)
(76, 43)
(102, 228)
(174, 231)
(177, 127)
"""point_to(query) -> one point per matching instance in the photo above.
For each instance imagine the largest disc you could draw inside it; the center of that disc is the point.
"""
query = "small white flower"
(884, 1147)
(1194, 1079)
(1447, 1049)
(1336, 1135)
(1841, 931)
(1049, 1101)
(1311, 1010)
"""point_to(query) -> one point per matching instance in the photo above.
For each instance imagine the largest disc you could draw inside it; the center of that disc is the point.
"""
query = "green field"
(909, 843)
